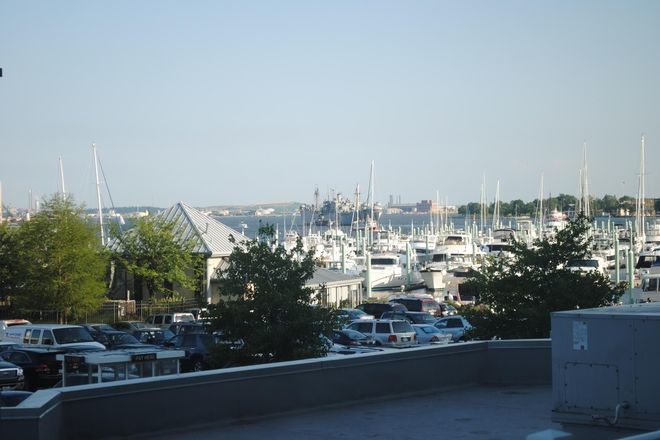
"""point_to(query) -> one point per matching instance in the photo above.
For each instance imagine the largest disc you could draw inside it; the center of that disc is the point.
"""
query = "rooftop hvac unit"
(606, 366)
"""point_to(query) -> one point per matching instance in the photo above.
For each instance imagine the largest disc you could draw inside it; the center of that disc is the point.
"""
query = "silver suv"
(387, 332)
(164, 320)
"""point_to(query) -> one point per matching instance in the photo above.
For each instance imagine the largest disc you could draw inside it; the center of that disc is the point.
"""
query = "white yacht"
(388, 273)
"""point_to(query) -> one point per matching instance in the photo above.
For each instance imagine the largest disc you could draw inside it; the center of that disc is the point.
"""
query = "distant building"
(336, 288)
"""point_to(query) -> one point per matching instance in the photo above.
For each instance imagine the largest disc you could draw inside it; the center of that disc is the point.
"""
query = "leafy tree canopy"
(267, 305)
(9, 264)
(517, 294)
(61, 262)
(155, 254)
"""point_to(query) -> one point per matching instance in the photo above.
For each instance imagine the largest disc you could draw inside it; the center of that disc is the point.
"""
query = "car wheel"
(198, 365)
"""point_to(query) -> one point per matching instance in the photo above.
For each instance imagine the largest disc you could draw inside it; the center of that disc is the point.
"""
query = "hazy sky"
(238, 102)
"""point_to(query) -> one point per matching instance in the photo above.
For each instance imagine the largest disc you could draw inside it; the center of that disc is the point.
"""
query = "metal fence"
(109, 312)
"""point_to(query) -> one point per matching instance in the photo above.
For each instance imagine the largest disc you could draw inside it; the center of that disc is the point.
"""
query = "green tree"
(157, 256)
(610, 204)
(9, 263)
(518, 294)
(62, 264)
(267, 305)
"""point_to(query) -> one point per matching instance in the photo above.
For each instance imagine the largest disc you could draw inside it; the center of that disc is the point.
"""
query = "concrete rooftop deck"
(479, 413)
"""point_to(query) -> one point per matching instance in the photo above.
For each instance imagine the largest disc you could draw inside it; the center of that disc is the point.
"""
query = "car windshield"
(424, 318)
(153, 336)
(72, 335)
(430, 329)
(352, 334)
(185, 317)
(355, 313)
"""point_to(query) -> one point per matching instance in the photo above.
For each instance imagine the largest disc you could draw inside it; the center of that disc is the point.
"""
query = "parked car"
(154, 335)
(6, 323)
(164, 320)
(344, 316)
(197, 347)
(57, 336)
(377, 309)
(352, 338)
(129, 326)
(457, 326)
(117, 340)
(448, 309)
(11, 376)
(419, 304)
(97, 327)
(40, 368)
(387, 332)
(412, 317)
(198, 312)
(5, 345)
(429, 334)
(187, 327)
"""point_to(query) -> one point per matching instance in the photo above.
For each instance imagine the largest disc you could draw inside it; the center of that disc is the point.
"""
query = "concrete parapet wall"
(165, 403)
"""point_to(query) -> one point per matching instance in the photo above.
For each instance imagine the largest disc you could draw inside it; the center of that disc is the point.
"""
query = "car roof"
(379, 320)
(46, 326)
(37, 350)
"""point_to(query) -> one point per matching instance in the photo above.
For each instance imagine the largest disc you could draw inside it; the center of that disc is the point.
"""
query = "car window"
(26, 336)
(70, 335)
(401, 327)
(454, 323)
(168, 319)
(382, 327)
(34, 339)
(363, 327)
(18, 358)
(47, 338)
(441, 324)
(158, 320)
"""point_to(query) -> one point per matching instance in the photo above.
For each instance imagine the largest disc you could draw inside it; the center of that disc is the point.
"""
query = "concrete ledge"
(156, 404)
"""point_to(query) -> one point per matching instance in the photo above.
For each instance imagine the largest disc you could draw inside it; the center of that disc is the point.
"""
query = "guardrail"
(165, 403)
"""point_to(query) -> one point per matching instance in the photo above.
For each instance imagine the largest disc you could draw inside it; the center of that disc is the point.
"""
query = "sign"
(73, 363)
(144, 357)
(580, 336)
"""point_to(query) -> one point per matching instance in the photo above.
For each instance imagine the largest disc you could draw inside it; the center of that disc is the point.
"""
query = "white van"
(51, 336)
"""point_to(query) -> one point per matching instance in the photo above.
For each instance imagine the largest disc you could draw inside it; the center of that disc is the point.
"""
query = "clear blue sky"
(238, 102)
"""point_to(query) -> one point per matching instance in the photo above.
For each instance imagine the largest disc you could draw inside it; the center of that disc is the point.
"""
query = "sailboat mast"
(640, 202)
(62, 179)
(540, 205)
(372, 185)
(98, 194)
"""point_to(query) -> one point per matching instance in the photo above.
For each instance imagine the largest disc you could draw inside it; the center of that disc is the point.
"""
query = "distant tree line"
(608, 204)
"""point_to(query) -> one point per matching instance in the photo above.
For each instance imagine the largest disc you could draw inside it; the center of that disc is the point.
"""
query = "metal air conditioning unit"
(606, 366)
